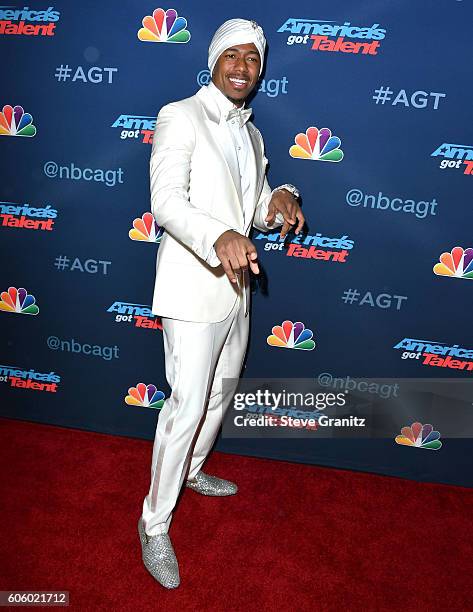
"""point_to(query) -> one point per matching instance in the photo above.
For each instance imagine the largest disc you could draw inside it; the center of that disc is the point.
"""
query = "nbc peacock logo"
(291, 335)
(147, 396)
(420, 436)
(317, 145)
(145, 229)
(15, 122)
(164, 27)
(457, 264)
(18, 301)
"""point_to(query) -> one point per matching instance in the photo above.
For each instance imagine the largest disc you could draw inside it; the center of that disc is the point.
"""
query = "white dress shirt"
(242, 143)
(240, 139)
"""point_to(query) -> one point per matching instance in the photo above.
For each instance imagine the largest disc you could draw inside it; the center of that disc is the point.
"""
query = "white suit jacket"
(196, 196)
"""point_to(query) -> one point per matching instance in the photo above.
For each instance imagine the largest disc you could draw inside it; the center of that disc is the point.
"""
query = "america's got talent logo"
(436, 354)
(456, 156)
(25, 216)
(138, 314)
(29, 379)
(322, 35)
(24, 22)
(310, 247)
(136, 127)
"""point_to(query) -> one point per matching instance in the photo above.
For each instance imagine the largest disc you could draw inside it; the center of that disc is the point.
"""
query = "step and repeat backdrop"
(365, 106)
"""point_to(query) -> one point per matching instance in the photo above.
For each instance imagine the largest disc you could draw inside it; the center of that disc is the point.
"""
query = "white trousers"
(198, 356)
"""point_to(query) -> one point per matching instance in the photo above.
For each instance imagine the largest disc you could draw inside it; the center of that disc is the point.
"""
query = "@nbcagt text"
(362, 385)
(421, 209)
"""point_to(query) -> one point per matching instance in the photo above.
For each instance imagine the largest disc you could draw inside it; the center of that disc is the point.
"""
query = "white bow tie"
(241, 115)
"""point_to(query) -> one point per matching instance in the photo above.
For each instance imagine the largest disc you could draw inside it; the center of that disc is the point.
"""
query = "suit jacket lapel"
(256, 159)
(225, 142)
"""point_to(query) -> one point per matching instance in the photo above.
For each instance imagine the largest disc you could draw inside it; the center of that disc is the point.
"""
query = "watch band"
(291, 188)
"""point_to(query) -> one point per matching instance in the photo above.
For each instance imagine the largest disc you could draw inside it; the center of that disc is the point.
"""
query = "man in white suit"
(208, 188)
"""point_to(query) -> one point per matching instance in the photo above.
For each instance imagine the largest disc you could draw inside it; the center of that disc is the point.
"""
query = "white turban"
(236, 32)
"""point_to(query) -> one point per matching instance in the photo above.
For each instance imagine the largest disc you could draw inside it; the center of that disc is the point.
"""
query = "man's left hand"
(285, 203)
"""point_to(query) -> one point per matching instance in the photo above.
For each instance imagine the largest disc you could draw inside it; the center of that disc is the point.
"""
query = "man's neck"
(237, 103)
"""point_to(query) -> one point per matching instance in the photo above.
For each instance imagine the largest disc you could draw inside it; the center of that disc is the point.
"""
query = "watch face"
(293, 190)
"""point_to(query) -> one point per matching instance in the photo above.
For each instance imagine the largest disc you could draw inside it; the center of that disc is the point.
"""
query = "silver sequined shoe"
(159, 558)
(211, 485)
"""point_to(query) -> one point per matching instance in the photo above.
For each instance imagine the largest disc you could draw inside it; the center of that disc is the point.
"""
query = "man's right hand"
(236, 252)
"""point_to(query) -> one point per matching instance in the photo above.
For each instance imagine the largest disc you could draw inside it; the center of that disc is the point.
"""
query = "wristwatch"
(291, 188)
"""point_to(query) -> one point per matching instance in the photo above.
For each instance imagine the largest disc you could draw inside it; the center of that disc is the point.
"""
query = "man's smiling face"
(237, 71)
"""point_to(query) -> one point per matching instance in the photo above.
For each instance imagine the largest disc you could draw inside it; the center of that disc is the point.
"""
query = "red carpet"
(295, 537)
